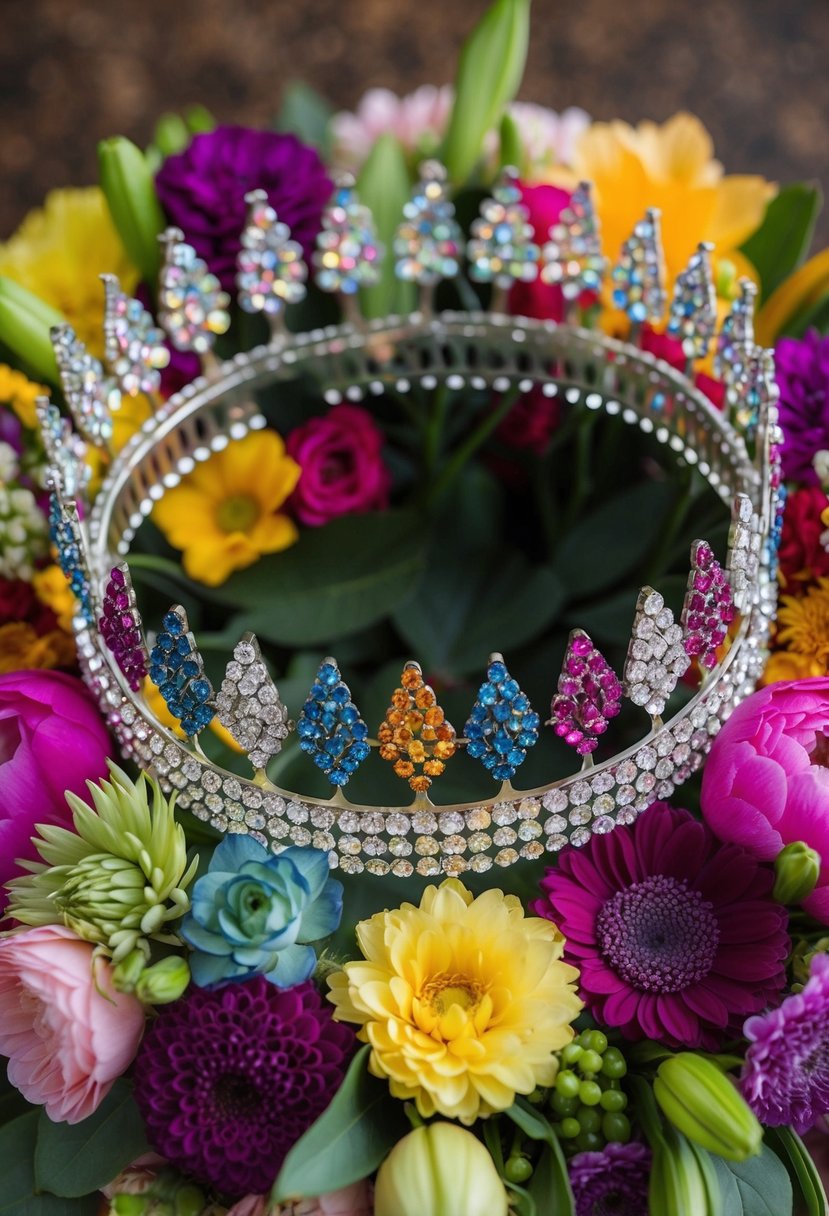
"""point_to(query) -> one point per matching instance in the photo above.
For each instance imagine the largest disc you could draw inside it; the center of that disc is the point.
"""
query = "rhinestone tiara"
(736, 451)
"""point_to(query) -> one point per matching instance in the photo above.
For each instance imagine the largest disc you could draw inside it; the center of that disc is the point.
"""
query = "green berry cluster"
(587, 1102)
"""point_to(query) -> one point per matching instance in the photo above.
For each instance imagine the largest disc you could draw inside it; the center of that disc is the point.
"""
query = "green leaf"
(609, 542)
(512, 149)
(348, 1141)
(127, 183)
(74, 1159)
(384, 186)
(813, 316)
(12, 1102)
(17, 1194)
(762, 1184)
(782, 241)
(804, 1174)
(305, 113)
(490, 69)
(334, 581)
(555, 1183)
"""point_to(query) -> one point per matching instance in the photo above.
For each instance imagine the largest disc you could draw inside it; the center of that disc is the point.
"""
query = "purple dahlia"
(202, 190)
(785, 1078)
(803, 379)
(228, 1080)
(677, 936)
(612, 1181)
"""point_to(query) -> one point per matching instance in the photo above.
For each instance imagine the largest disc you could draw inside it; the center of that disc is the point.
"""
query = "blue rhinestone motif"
(65, 536)
(502, 726)
(330, 728)
(177, 670)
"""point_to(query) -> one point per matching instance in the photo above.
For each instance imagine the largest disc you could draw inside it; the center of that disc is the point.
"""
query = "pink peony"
(52, 739)
(766, 782)
(417, 121)
(353, 1200)
(340, 455)
(68, 1034)
(540, 300)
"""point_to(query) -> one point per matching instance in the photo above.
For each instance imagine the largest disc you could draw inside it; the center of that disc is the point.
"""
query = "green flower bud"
(126, 975)
(128, 186)
(171, 134)
(199, 119)
(436, 1170)
(489, 73)
(130, 1205)
(163, 982)
(189, 1201)
(701, 1102)
(25, 323)
(797, 868)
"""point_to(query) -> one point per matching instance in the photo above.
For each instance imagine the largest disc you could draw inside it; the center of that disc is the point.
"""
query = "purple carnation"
(614, 1180)
(785, 1079)
(803, 379)
(228, 1080)
(677, 937)
(203, 189)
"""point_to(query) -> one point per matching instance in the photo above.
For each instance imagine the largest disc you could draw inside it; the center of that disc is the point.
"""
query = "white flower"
(8, 463)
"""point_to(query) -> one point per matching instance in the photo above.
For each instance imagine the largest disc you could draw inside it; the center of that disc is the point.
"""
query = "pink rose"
(766, 782)
(52, 739)
(354, 1200)
(537, 299)
(342, 466)
(68, 1034)
(669, 350)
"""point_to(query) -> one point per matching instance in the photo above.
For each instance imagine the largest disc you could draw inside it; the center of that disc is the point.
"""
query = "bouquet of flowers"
(227, 1002)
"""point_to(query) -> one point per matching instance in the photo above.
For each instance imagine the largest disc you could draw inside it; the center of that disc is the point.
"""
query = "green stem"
(492, 1138)
(671, 527)
(408, 406)
(474, 440)
(647, 1112)
(583, 469)
(433, 431)
(542, 486)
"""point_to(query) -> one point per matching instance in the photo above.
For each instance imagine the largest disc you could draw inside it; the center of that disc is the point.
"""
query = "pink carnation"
(68, 1034)
(343, 473)
(766, 782)
(537, 299)
(354, 1200)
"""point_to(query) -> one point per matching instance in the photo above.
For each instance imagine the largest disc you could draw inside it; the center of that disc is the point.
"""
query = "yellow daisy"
(59, 252)
(803, 628)
(463, 1000)
(670, 166)
(20, 393)
(225, 514)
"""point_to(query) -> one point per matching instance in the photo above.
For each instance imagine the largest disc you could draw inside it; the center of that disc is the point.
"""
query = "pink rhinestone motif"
(120, 627)
(708, 609)
(589, 695)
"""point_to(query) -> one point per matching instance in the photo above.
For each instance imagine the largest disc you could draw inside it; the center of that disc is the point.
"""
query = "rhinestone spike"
(65, 450)
(589, 694)
(573, 256)
(501, 249)
(270, 269)
(693, 313)
(120, 626)
(177, 670)
(192, 308)
(90, 395)
(428, 242)
(502, 725)
(743, 559)
(415, 736)
(249, 704)
(65, 534)
(639, 275)
(656, 657)
(708, 609)
(133, 343)
(348, 254)
(330, 728)
(752, 390)
(736, 336)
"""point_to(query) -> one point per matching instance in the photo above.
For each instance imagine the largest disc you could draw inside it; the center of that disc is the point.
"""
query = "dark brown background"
(73, 71)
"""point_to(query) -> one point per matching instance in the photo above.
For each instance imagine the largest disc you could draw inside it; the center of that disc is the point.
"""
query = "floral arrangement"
(194, 1023)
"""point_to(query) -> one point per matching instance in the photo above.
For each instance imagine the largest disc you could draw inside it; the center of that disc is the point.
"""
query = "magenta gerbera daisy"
(676, 935)
(228, 1080)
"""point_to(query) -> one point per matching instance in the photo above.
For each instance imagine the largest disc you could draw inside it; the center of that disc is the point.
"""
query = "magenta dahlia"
(785, 1078)
(676, 935)
(612, 1181)
(228, 1080)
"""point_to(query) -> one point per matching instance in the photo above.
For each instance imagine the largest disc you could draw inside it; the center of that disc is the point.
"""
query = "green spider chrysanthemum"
(119, 878)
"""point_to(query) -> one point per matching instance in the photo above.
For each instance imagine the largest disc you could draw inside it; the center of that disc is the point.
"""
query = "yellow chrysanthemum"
(783, 665)
(225, 514)
(20, 393)
(52, 589)
(59, 252)
(463, 1000)
(23, 649)
(803, 627)
(670, 166)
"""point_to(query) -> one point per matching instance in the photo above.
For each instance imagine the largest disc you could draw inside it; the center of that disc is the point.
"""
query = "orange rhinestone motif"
(414, 735)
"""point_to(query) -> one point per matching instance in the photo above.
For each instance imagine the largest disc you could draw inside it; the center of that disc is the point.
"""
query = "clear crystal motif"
(736, 336)
(249, 706)
(192, 308)
(573, 258)
(133, 343)
(65, 450)
(693, 314)
(91, 395)
(348, 253)
(639, 275)
(270, 269)
(428, 242)
(501, 249)
(656, 657)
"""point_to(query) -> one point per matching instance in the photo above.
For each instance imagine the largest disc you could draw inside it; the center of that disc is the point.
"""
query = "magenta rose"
(68, 1034)
(538, 299)
(343, 472)
(52, 739)
(766, 782)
